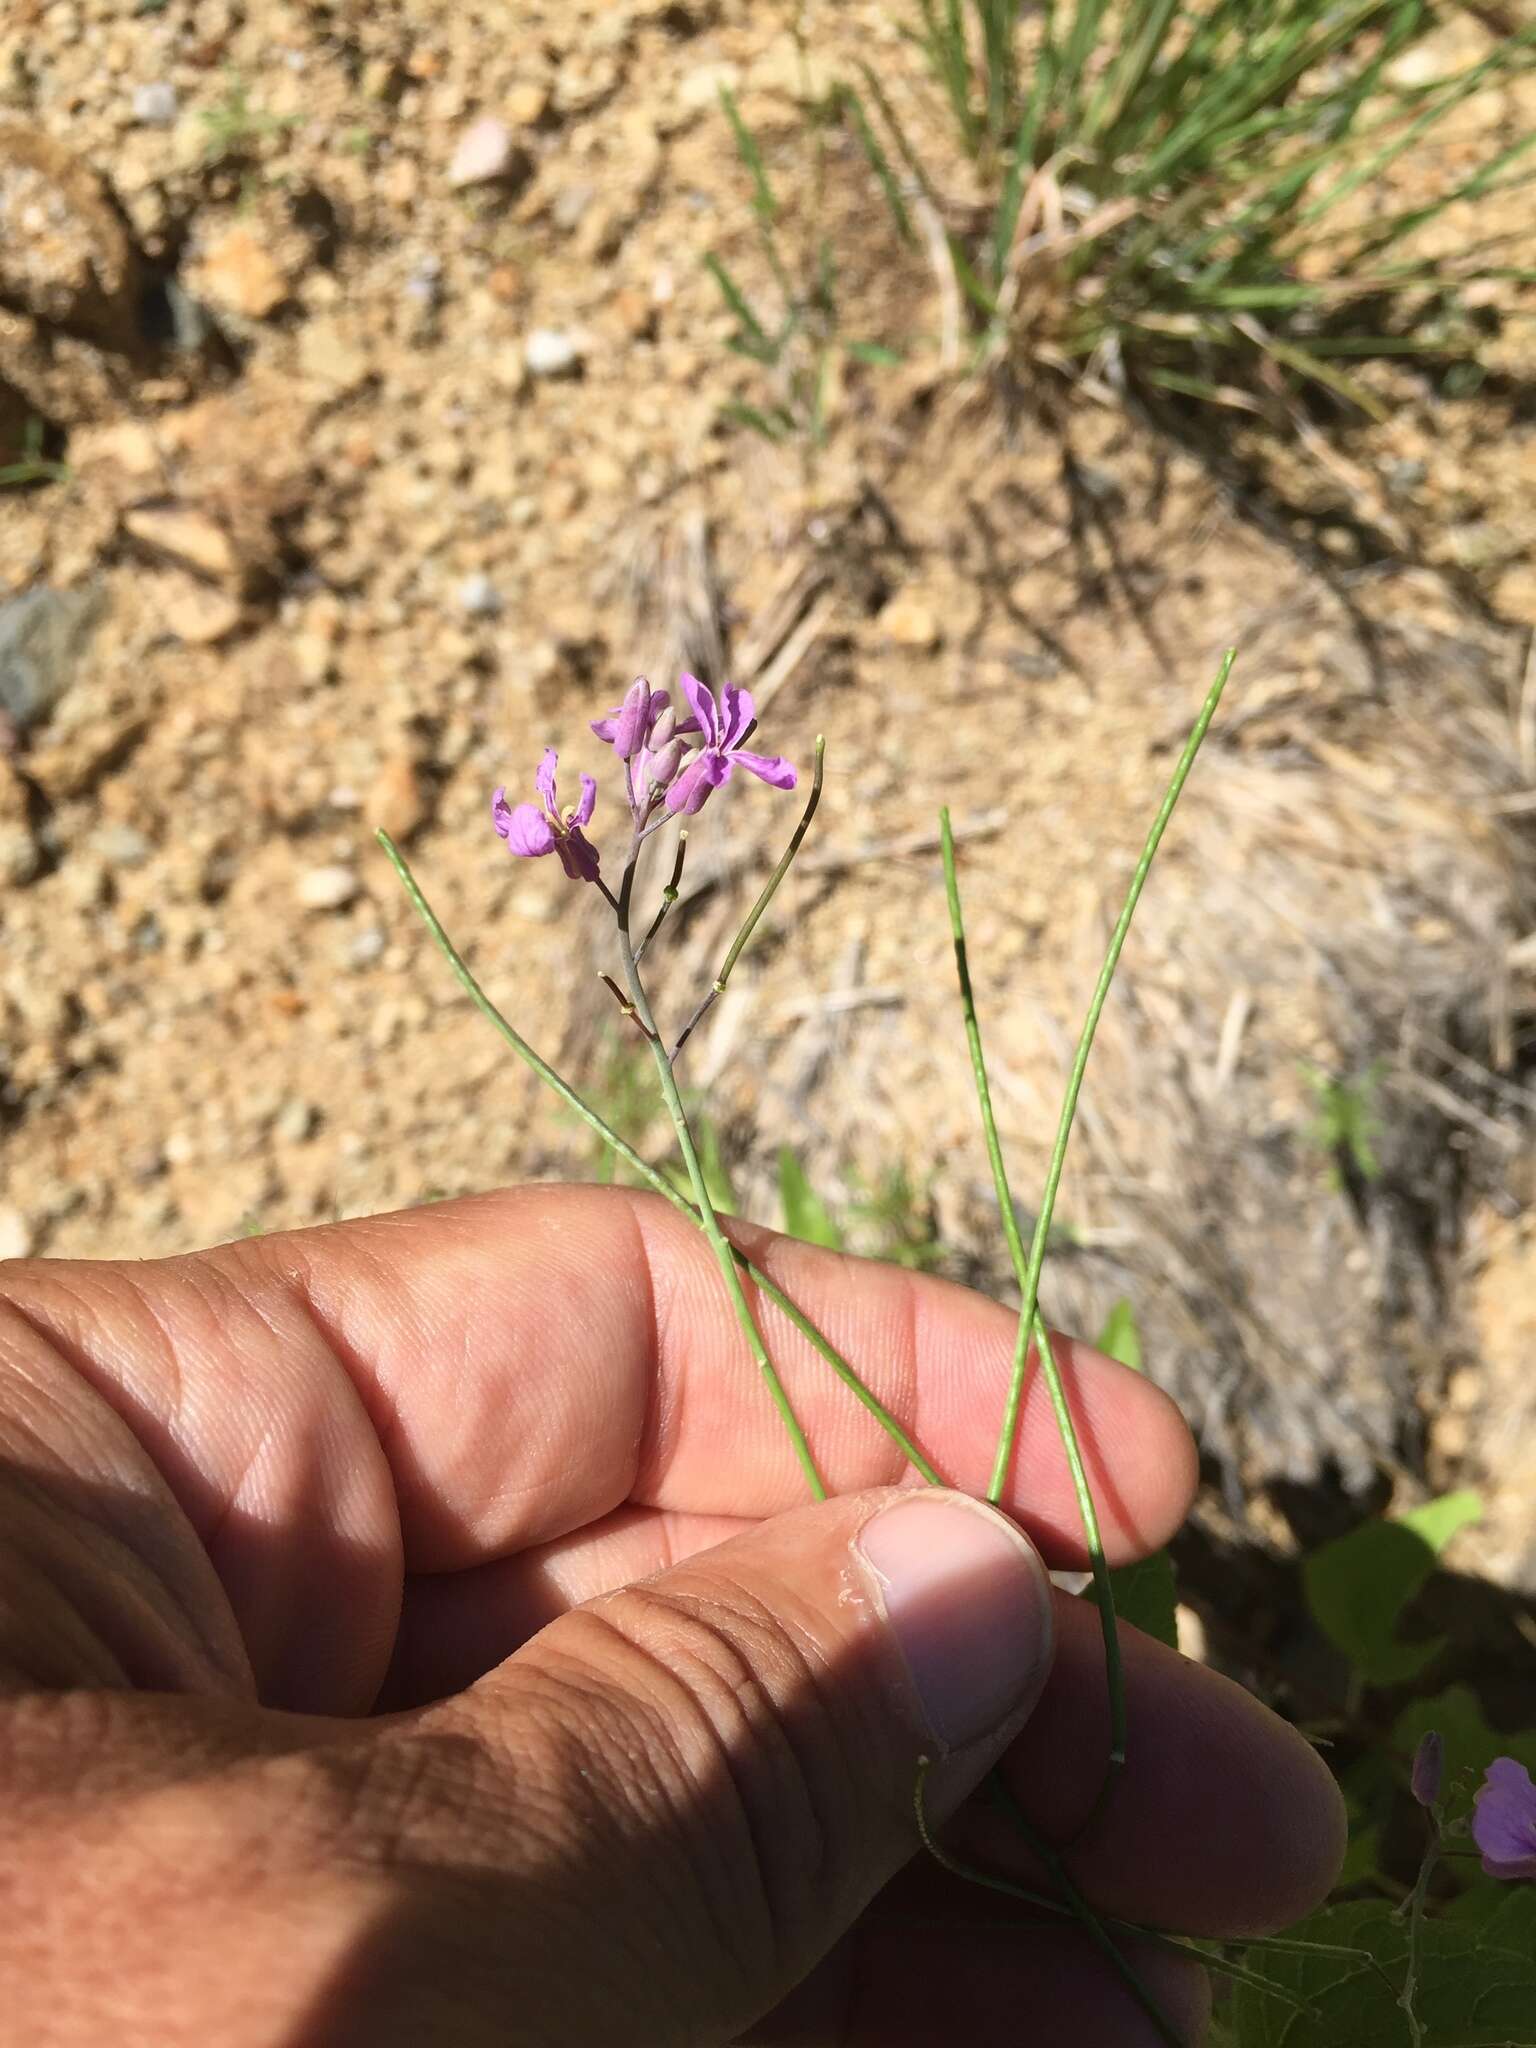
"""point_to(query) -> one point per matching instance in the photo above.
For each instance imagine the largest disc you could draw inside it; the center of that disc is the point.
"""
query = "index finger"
(444, 1386)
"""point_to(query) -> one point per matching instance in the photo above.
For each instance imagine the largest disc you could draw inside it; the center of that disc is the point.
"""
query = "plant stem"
(770, 887)
(1031, 1283)
(621, 1148)
(1030, 1322)
(701, 1197)
(668, 895)
(1408, 1996)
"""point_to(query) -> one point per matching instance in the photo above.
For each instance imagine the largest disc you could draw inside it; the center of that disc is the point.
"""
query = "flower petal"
(1504, 1820)
(767, 768)
(528, 832)
(583, 810)
(544, 780)
(692, 787)
(607, 728)
(501, 812)
(702, 704)
(578, 856)
(737, 711)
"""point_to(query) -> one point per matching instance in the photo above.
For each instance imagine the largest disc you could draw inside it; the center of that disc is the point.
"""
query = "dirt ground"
(408, 469)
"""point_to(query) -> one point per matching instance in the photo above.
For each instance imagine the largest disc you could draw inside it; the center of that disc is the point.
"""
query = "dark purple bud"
(1428, 1769)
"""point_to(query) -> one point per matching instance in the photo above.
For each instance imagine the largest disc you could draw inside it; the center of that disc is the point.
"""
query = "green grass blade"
(764, 205)
(880, 164)
(754, 339)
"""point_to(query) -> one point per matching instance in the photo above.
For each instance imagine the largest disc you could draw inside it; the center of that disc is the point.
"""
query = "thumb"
(718, 1763)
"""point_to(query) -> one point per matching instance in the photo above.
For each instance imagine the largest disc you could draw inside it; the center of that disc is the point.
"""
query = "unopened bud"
(1428, 1769)
(663, 729)
(633, 714)
(662, 764)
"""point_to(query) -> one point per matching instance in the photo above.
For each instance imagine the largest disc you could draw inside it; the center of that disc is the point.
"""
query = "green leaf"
(1120, 1337)
(1358, 1586)
(1476, 1985)
(1456, 1715)
(764, 204)
(771, 429)
(874, 352)
(1441, 1519)
(806, 1215)
(1147, 1596)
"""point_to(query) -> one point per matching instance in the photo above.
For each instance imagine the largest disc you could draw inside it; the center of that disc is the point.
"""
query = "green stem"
(770, 887)
(1408, 1997)
(668, 895)
(622, 1149)
(1086, 1509)
(1031, 1283)
(1077, 1908)
(709, 1221)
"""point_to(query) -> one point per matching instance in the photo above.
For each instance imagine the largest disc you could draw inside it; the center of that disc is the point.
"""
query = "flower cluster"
(673, 762)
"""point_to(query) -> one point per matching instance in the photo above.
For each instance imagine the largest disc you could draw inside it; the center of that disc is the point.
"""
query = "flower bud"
(663, 729)
(663, 762)
(1428, 1769)
(633, 717)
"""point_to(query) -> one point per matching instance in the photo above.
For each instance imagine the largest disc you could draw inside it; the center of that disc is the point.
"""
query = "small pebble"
(155, 105)
(327, 888)
(296, 1121)
(365, 947)
(15, 1233)
(123, 845)
(479, 597)
(486, 151)
(548, 352)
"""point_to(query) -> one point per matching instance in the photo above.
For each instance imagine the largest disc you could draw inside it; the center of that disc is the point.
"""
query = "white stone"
(327, 888)
(549, 352)
(486, 151)
(155, 105)
(479, 597)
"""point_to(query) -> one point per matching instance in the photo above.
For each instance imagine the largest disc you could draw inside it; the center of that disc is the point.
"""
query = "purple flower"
(1504, 1820)
(724, 723)
(531, 829)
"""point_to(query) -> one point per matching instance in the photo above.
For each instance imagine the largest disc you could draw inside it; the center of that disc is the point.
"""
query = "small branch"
(668, 896)
(770, 887)
(626, 1007)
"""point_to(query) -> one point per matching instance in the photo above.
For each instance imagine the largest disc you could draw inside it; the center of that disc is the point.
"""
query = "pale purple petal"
(737, 711)
(501, 812)
(1504, 1820)
(544, 780)
(578, 856)
(632, 721)
(692, 787)
(528, 832)
(767, 767)
(702, 704)
(607, 728)
(583, 810)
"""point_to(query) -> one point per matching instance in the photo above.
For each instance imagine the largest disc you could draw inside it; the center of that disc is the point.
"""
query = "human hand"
(410, 1635)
